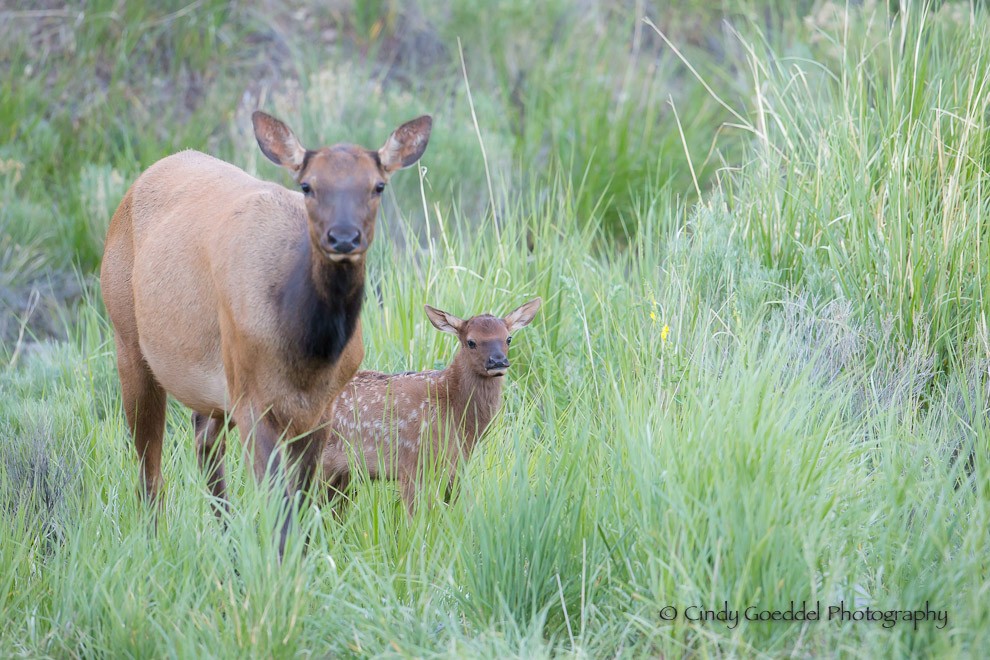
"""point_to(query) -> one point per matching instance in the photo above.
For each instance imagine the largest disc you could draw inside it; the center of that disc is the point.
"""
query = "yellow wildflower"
(664, 332)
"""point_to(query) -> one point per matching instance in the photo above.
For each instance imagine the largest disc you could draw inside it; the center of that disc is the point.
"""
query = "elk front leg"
(263, 443)
(282, 460)
(211, 448)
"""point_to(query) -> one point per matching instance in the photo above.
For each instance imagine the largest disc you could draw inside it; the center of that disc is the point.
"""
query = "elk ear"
(278, 142)
(406, 144)
(522, 316)
(443, 321)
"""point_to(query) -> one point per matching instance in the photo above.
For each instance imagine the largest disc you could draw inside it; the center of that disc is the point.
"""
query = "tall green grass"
(871, 166)
(771, 387)
(748, 457)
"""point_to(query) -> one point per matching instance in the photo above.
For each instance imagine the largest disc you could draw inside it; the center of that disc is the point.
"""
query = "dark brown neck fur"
(319, 306)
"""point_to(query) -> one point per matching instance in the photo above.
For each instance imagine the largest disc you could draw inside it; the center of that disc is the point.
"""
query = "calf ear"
(406, 144)
(522, 316)
(278, 142)
(443, 321)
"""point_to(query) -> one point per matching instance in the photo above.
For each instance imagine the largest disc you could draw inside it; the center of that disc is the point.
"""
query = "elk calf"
(394, 423)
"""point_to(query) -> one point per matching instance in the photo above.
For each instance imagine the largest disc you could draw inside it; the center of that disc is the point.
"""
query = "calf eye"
(380, 187)
(471, 344)
(508, 340)
(305, 187)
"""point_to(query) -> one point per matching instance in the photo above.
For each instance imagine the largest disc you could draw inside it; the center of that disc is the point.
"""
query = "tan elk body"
(241, 298)
(391, 424)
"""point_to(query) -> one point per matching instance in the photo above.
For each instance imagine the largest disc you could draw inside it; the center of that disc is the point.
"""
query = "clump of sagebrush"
(965, 409)
(903, 370)
(824, 338)
(969, 392)
(38, 484)
(833, 343)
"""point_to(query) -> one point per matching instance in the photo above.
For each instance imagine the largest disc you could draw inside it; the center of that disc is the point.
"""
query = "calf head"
(485, 338)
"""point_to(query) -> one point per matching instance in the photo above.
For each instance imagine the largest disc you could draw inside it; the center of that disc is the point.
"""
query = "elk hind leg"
(144, 407)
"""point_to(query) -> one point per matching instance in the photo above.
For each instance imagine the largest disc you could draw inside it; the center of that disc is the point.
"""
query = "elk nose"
(497, 361)
(344, 240)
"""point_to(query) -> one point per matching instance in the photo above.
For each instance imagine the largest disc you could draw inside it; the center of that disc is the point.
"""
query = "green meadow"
(759, 382)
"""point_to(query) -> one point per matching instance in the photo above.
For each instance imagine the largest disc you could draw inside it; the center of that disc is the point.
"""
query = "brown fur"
(224, 293)
(393, 424)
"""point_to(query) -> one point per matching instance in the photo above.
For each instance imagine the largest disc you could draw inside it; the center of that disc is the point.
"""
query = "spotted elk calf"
(393, 424)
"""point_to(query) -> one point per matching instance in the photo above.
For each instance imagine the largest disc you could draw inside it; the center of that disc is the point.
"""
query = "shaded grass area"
(769, 386)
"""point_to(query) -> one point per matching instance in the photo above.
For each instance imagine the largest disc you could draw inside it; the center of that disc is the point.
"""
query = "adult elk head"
(342, 185)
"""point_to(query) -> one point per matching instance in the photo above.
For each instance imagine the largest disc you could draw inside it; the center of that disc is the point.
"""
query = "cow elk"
(393, 425)
(241, 298)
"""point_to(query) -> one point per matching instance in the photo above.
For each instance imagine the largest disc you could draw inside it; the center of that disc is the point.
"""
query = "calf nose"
(344, 240)
(497, 361)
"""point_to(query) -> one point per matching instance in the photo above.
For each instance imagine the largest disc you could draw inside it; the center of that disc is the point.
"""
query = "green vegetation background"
(760, 375)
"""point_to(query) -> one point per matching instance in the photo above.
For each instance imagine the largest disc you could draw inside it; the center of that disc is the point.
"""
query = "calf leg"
(407, 488)
(304, 453)
(336, 474)
(449, 493)
(337, 494)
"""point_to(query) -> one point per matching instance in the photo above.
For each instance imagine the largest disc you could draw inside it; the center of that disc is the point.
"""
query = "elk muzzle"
(343, 240)
(497, 364)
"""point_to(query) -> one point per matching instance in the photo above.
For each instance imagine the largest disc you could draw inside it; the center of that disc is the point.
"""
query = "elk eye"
(305, 187)
(508, 340)
(471, 344)
(379, 187)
